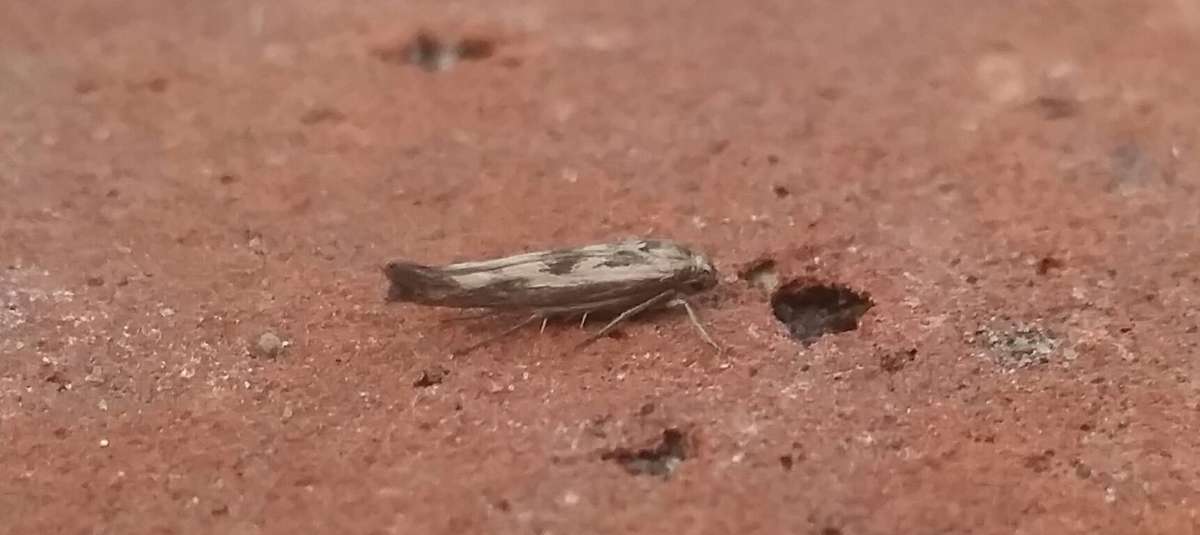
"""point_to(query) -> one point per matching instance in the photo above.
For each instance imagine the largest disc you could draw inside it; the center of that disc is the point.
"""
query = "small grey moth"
(623, 278)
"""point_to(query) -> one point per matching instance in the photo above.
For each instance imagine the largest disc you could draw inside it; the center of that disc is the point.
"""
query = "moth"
(623, 279)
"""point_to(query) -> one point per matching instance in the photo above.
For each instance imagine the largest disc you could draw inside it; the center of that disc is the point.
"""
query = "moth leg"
(658, 299)
(681, 302)
(583, 320)
(543, 329)
(534, 317)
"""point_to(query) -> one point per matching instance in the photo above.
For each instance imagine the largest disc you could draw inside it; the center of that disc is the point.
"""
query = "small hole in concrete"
(810, 310)
(433, 375)
(1048, 264)
(894, 361)
(660, 460)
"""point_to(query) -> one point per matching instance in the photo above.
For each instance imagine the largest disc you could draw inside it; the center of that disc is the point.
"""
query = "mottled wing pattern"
(586, 276)
(583, 278)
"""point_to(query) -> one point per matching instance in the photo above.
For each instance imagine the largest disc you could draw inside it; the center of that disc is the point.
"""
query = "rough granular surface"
(197, 199)
(1018, 345)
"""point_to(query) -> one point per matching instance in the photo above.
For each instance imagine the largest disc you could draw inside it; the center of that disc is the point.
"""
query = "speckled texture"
(179, 178)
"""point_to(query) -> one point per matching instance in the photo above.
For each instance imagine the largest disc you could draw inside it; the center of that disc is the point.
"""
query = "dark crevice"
(660, 460)
(810, 310)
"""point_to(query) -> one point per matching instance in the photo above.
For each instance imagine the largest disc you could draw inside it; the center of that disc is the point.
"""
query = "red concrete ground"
(1014, 184)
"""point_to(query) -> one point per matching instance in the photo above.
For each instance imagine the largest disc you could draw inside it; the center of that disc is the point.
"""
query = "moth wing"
(566, 277)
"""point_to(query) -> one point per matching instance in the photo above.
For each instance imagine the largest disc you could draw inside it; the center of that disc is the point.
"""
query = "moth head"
(703, 276)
